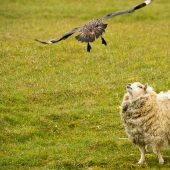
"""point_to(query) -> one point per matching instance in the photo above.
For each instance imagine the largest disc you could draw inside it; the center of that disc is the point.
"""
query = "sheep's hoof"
(161, 162)
(141, 162)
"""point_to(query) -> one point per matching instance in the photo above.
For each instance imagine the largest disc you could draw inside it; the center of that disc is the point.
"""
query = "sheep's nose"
(128, 86)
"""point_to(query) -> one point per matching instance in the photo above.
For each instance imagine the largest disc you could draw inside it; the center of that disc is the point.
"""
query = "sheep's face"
(136, 89)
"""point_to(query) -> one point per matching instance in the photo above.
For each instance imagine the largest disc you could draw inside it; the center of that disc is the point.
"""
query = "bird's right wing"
(65, 36)
(130, 10)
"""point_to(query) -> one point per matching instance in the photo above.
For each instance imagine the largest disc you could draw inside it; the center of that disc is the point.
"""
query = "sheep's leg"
(142, 151)
(161, 160)
(147, 148)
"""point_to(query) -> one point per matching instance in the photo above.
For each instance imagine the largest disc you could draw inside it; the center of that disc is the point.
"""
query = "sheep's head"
(136, 89)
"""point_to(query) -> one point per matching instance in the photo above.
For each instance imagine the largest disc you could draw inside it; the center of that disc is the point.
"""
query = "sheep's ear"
(146, 86)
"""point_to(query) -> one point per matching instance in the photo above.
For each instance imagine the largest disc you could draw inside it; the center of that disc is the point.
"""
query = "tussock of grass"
(59, 104)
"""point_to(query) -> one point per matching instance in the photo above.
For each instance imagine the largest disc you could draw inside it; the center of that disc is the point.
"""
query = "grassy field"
(59, 104)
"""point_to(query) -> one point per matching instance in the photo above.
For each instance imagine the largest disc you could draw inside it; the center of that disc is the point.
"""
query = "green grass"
(59, 104)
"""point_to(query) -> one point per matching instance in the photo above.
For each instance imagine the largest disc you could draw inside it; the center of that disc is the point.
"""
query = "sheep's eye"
(140, 87)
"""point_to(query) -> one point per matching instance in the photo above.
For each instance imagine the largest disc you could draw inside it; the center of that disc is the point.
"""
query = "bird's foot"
(88, 47)
(103, 41)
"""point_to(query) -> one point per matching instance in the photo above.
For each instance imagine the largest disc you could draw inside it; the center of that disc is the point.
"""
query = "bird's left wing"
(63, 37)
(130, 10)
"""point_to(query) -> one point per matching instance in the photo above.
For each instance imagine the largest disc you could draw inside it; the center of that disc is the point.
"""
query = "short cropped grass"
(59, 104)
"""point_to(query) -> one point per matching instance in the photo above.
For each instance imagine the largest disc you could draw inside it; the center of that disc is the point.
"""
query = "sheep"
(146, 118)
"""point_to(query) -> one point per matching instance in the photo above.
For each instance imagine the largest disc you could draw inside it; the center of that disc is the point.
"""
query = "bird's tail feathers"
(85, 37)
(100, 29)
(90, 36)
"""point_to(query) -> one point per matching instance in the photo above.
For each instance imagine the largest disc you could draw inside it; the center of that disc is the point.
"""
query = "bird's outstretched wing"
(65, 36)
(130, 10)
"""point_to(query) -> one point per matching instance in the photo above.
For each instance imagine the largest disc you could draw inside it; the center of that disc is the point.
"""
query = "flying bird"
(94, 28)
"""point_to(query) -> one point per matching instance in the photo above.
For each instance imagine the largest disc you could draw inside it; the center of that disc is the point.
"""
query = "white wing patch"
(147, 2)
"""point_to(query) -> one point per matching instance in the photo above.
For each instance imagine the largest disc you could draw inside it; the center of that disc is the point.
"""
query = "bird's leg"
(88, 47)
(103, 41)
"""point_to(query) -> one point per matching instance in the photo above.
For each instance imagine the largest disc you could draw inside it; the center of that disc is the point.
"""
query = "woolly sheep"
(146, 118)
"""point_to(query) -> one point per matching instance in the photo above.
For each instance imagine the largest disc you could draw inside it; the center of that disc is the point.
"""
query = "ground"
(59, 104)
